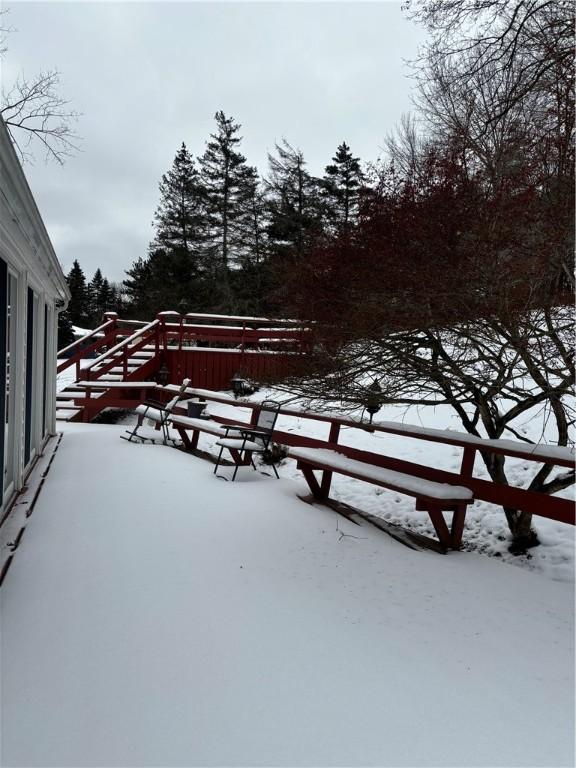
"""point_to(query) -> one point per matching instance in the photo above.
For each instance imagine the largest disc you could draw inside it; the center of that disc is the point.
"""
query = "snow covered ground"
(68, 377)
(155, 615)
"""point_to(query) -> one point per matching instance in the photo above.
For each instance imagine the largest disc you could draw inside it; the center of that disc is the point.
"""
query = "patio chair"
(243, 441)
(158, 412)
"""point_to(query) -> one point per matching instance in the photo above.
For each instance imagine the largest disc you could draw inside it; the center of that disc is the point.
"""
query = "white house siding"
(32, 291)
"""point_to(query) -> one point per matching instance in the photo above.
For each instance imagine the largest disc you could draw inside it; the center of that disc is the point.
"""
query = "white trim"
(32, 263)
(23, 232)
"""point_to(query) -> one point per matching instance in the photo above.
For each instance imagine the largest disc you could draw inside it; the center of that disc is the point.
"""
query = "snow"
(202, 424)
(155, 615)
(539, 451)
(239, 444)
(102, 382)
(246, 318)
(68, 377)
(414, 485)
(81, 332)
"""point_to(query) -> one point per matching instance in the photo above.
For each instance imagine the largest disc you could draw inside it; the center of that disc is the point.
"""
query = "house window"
(30, 402)
(45, 371)
(3, 366)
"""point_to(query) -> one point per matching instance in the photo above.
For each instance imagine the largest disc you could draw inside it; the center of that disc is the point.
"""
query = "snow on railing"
(122, 346)
(77, 343)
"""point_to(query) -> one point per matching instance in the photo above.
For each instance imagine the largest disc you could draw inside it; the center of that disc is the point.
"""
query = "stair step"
(67, 415)
(80, 393)
(120, 369)
(108, 377)
(134, 363)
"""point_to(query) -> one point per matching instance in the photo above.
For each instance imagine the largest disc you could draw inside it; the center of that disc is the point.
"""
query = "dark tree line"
(89, 301)
(223, 234)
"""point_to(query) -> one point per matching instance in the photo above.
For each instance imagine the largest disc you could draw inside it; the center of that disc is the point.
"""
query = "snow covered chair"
(243, 441)
(158, 412)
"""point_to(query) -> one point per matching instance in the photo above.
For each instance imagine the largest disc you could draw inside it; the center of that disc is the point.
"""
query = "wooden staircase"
(117, 364)
(105, 359)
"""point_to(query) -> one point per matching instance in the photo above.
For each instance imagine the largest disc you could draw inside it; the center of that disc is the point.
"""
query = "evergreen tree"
(171, 276)
(94, 298)
(141, 299)
(249, 280)
(229, 184)
(179, 216)
(341, 186)
(105, 298)
(293, 200)
(65, 329)
(116, 299)
(79, 302)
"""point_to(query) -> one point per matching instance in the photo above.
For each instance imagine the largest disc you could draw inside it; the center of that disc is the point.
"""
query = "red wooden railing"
(552, 507)
(86, 346)
(230, 331)
(119, 355)
(208, 349)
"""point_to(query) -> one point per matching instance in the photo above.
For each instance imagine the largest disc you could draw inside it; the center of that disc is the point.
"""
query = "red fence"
(553, 507)
(213, 368)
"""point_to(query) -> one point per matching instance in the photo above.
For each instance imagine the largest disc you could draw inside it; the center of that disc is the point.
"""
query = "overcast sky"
(147, 76)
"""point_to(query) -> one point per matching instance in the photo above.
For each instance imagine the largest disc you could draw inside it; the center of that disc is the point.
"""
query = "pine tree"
(293, 200)
(229, 184)
(249, 280)
(105, 297)
(141, 299)
(341, 187)
(65, 329)
(116, 301)
(94, 298)
(171, 276)
(179, 217)
(79, 302)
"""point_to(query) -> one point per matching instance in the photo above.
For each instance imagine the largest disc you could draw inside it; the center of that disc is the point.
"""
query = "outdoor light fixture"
(373, 399)
(163, 375)
(240, 386)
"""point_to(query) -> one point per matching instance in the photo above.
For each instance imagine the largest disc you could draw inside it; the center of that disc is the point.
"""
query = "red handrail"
(102, 336)
(537, 503)
(120, 353)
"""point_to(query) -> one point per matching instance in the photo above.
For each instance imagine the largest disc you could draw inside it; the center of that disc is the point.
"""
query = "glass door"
(10, 390)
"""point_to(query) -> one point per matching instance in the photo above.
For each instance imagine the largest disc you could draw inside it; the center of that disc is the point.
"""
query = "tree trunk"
(519, 523)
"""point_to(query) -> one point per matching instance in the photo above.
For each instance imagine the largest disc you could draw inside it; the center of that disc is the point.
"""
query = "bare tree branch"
(34, 112)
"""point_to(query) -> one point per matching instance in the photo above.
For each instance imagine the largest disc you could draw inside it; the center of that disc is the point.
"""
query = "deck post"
(458, 520)
(86, 410)
(467, 466)
(311, 480)
(444, 535)
(326, 481)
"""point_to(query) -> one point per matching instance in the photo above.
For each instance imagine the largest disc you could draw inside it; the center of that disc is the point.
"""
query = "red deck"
(207, 349)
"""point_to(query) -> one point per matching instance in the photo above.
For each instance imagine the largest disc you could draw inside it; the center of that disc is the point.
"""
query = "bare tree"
(536, 36)
(449, 293)
(36, 115)
(495, 373)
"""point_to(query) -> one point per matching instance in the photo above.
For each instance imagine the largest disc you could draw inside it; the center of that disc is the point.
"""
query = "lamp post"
(239, 385)
(373, 399)
(163, 375)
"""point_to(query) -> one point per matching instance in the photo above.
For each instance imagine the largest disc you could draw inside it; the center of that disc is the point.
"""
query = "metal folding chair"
(158, 412)
(250, 440)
